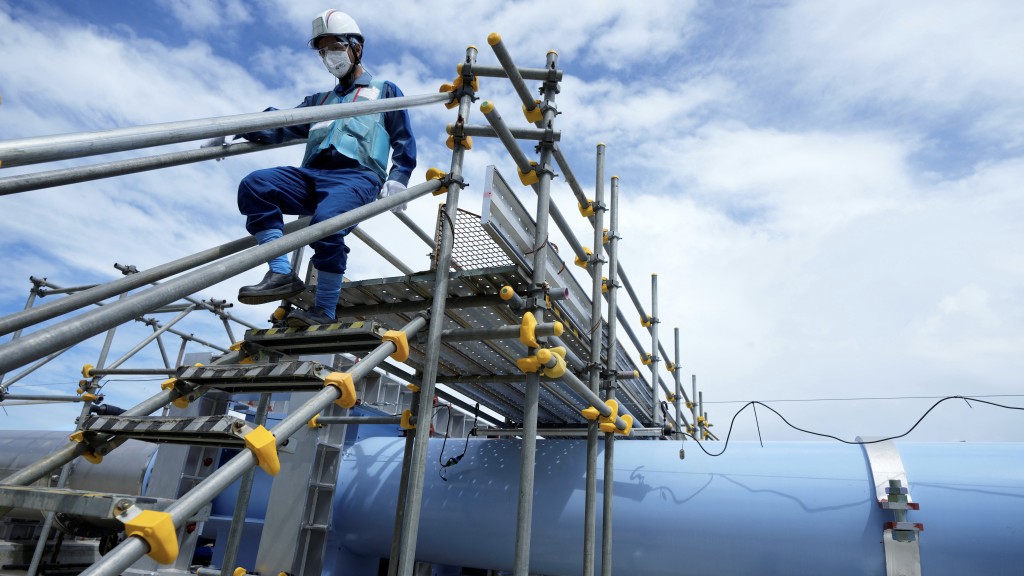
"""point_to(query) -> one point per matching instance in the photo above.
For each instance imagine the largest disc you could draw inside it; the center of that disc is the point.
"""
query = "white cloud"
(917, 59)
(204, 15)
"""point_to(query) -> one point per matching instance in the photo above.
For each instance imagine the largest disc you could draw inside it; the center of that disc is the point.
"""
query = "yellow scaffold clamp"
(87, 370)
(172, 383)
(346, 388)
(549, 361)
(406, 423)
(437, 174)
(584, 263)
(466, 141)
(529, 178)
(401, 342)
(647, 359)
(535, 114)
(263, 445)
(528, 330)
(458, 88)
(156, 529)
(588, 210)
(91, 455)
(607, 423)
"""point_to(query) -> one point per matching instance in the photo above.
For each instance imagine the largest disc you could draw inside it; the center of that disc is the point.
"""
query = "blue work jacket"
(395, 123)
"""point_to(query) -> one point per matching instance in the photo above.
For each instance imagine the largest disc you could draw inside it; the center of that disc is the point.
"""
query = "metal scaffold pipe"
(609, 439)
(580, 388)
(655, 360)
(64, 334)
(680, 419)
(418, 460)
(502, 332)
(415, 228)
(380, 249)
(595, 265)
(511, 71)
(543, 172)
(517, 133)
(52, 178)
(101, 292)
(64, 146)
(525, 73)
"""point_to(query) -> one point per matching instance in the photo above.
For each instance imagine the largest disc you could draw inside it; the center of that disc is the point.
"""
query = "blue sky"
(829, 192)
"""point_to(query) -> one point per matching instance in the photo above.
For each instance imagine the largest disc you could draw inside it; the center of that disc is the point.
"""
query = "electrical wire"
(864, 398)
(755, 403)
(454, 459)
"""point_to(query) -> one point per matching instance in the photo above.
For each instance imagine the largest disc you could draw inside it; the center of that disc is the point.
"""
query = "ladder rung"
(214, 430)
(283, 376)
(341, 337)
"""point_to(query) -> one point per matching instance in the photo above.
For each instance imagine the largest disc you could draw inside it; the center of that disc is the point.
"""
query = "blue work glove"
(393, 187)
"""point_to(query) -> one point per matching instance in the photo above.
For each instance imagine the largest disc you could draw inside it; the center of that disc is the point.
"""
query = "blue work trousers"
(265, 195)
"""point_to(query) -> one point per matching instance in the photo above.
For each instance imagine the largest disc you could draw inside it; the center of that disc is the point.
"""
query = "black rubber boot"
(315, 316)
(273, 287)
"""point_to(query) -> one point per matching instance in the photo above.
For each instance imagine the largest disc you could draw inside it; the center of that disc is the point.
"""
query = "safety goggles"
(339, 46)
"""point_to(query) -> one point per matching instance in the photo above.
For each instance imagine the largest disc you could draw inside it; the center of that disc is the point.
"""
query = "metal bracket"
(901, 539)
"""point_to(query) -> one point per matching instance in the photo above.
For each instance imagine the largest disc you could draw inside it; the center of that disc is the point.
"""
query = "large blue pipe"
(786, 508)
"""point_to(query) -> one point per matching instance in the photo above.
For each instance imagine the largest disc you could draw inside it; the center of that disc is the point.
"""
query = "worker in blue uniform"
(345, 166)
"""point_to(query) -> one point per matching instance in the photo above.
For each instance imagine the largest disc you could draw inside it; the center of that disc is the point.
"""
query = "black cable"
(823, 435)
(758, 423)
(455, 459)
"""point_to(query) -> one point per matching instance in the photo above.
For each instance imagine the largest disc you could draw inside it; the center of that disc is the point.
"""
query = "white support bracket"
(901, 539)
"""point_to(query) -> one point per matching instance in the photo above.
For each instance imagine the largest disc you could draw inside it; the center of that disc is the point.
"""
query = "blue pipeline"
(786, 508)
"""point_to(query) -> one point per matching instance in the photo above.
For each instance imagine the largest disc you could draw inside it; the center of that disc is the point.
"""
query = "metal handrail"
(64, 146)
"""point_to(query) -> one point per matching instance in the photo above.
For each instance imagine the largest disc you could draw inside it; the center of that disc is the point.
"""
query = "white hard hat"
(334, 23)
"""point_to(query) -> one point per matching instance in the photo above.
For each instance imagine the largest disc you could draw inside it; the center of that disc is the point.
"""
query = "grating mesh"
(473, 248)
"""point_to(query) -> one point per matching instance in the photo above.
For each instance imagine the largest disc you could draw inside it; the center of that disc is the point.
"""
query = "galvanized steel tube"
(28, 317)
(63, 146)
(52, 178)
(411, 516)
(71, 331)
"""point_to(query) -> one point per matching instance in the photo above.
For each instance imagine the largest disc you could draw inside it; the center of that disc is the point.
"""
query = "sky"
(829, 192)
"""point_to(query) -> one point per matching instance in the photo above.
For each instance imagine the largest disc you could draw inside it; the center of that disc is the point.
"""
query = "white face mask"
(337, 63)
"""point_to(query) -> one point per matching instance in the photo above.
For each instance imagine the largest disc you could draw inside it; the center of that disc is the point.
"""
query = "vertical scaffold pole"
(612, 370)
(693, 405)
(595, 263)
(656, 415)
(417, 471)
(403, 483)
(679, 390)
(700, 415)
(545, 170)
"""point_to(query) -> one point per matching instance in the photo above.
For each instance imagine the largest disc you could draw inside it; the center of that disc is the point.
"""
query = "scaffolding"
(498, 322)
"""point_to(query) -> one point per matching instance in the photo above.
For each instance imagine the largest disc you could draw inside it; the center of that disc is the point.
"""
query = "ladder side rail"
(47, 340)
